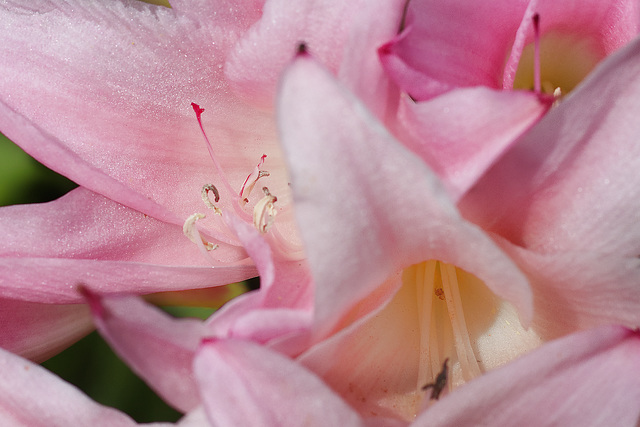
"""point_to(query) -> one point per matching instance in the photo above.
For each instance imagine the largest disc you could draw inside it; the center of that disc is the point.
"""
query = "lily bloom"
(115, 116)
(488, 65)
(403, 285)
(387, 247)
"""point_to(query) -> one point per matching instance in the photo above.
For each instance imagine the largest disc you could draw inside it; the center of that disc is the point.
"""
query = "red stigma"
(197, 109)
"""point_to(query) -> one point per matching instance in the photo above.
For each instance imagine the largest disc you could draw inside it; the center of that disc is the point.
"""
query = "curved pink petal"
(86, 225)
(572, 181)
(243, 384)
(261, 55)
(55, 280)
(38, 331)
(449, 44)
(462, 133)
(366, 206)
(590, 378)
(86, 238)
(32, 396)
(107, 101)
(158, 348)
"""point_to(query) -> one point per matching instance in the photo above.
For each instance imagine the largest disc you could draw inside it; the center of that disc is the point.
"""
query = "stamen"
(207, 201)
(191, 231)
(264, 212)
(251, 180)
(466, 355)
(425, 277)
(536, 54)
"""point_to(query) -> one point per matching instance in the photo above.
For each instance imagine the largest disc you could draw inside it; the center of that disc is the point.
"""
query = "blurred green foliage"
(24, 180)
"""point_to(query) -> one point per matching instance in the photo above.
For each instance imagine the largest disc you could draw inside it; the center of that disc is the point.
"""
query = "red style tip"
(197, 109)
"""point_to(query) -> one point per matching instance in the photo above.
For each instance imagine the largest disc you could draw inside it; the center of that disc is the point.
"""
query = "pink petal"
(361, 70)
(449, 44)
(86, 225)
(86, 238)
(571, 183)
(263, 52)
(283, 283)
(280, 309)
(158, 348)
(212, 14)
(590, 378)
(243, 384)
(55, 280)
(366, 206)
(38, 331)
(579, 290)
(462, 133)
(32, 396)
(107, 101)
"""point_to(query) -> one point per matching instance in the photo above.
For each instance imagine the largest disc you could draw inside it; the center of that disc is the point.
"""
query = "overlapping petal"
(461, 134)
(84, 238)
(245, 384)
(449, 44)
(361, 70)
(158, 348)
(264, 51)
(32, 396)
(37, 331)
(161, 349)
(366, 206)
(590, 378)
(577, 290)
(571, 182)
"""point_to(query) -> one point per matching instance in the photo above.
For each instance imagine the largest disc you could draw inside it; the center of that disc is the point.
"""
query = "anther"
(264, 212)
(207, 200)
(191, 231)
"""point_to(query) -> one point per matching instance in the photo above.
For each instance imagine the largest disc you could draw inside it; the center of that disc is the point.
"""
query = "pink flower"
(114, 114)
(474, 57)
(379, 330)
(413, 267)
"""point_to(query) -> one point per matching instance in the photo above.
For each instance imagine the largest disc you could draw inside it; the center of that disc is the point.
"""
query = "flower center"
(263, 209)
(392, 362)
(564, 62)
(441, 320)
